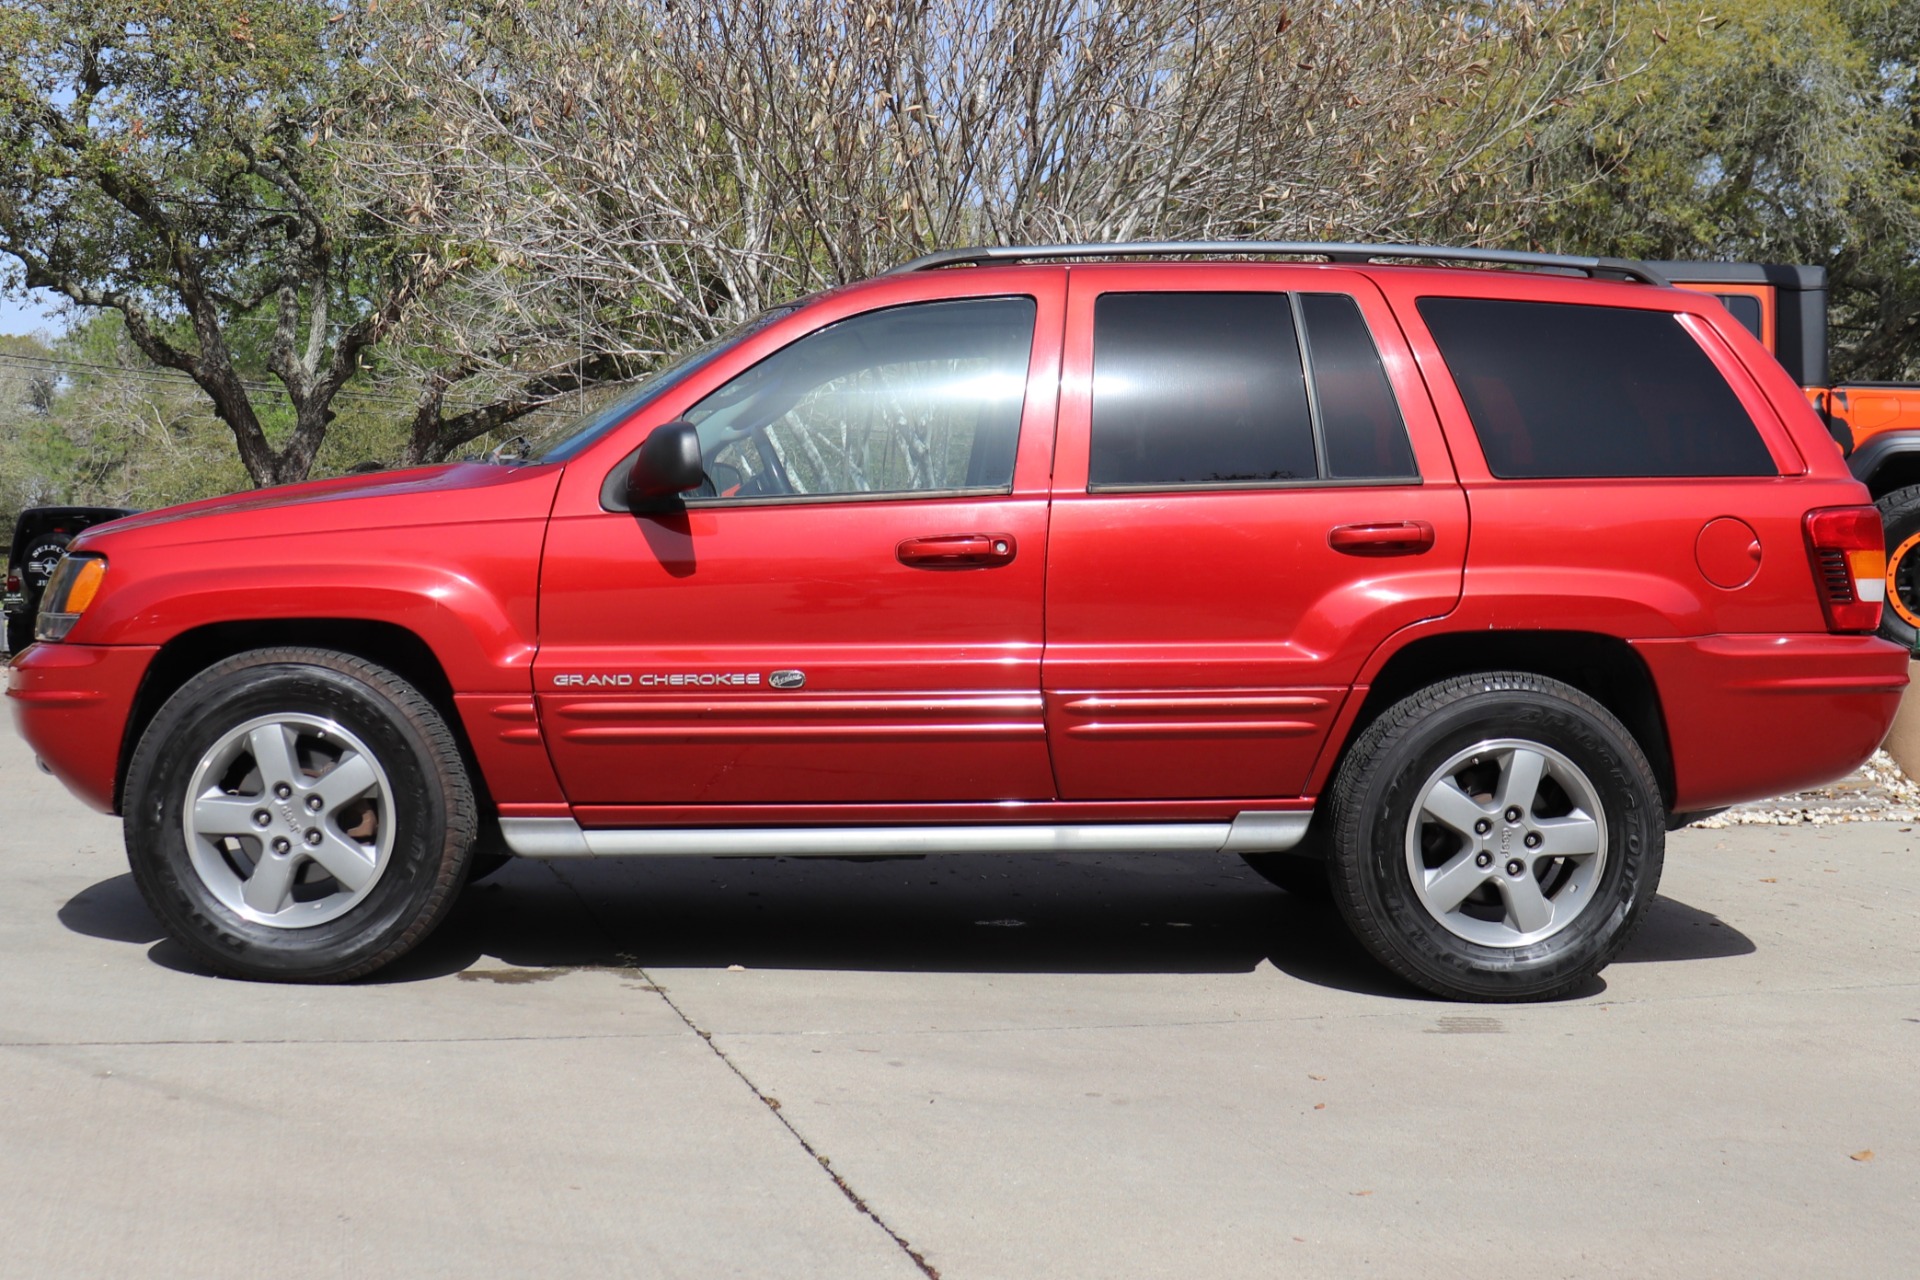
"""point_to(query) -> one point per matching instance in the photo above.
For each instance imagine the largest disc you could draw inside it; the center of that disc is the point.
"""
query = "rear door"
(1251, 494)
(850, 612)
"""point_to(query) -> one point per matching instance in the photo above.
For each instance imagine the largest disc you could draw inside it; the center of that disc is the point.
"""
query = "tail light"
(13, 579)
(1850, 564)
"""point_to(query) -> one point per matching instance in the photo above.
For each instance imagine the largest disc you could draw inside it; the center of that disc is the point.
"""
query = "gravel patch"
(1876, 792)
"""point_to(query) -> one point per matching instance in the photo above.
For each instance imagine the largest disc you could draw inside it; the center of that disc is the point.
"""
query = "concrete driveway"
(969, 1067)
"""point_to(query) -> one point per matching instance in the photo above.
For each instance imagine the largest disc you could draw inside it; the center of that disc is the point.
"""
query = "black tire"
(431, 809)
(1900, 619)
(1407, 752)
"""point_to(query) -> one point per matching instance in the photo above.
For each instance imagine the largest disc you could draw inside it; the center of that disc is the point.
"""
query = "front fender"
(458, 567)
(481, 630)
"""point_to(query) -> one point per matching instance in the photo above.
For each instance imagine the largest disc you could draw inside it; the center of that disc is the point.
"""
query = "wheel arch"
(1603, 667)
(1887, 461)
(388, 644)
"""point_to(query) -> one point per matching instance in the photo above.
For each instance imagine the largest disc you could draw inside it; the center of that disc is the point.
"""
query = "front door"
(849, 612)
(1252, 493)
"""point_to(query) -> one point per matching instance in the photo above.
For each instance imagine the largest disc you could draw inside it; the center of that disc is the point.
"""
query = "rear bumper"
(71, 702)
(1756, 716)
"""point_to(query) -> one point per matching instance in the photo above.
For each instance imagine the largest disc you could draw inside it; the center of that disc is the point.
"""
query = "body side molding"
(1251, 832)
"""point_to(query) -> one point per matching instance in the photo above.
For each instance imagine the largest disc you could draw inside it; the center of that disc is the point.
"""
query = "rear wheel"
(1900, 514)
(1496, 837)
(298, 815)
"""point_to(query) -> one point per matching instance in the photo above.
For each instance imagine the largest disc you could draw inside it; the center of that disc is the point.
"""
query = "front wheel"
(298, 815)
(1496, 837)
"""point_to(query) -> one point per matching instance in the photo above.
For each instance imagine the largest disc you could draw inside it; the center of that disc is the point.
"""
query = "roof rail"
(1624, 268)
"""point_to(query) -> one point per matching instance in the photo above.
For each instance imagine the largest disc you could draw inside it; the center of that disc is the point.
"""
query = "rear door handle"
(1399, 538)
(957, 551)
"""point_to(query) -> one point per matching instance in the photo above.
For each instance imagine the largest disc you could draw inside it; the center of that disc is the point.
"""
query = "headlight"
(74, 584)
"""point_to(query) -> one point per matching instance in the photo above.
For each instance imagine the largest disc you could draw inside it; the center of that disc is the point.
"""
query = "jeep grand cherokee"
(1446, 588)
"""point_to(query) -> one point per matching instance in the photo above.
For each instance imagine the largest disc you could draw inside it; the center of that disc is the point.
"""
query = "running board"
(564, 838)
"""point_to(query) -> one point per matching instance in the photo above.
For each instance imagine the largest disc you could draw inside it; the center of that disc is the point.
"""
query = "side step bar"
(564, 838)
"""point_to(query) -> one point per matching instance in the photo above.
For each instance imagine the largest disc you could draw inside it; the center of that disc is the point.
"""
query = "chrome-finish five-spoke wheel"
(289, 820)
(1506, 842)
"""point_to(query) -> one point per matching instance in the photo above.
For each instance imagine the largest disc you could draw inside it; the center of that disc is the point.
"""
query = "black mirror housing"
(667, 465)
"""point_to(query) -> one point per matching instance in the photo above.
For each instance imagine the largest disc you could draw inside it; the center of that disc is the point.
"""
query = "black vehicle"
(40, 538)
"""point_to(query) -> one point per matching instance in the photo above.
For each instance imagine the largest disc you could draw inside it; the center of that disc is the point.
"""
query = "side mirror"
(667, 465)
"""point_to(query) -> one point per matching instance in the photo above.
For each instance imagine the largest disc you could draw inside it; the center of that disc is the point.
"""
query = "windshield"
(585, 431)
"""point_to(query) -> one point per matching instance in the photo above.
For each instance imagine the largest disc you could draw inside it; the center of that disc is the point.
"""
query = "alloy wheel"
(1506, 843)
(289, 820)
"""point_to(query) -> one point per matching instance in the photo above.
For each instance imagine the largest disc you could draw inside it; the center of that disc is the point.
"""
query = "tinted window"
(1197, 388)
(1360, 423)
(1745, 309)
(907, 400)
(1561, 390)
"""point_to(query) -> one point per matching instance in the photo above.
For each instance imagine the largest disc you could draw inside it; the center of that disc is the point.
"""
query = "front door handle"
(1399, 538)
(957, 551)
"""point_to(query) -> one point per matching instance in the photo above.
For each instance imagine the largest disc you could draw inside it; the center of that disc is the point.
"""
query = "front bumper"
(71, 703)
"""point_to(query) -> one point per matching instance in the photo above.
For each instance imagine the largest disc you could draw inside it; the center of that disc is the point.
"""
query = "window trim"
(1313, 390)
(817, 499)
(1235, 486)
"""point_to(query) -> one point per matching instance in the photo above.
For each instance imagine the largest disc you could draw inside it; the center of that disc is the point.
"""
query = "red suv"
(1448, 588)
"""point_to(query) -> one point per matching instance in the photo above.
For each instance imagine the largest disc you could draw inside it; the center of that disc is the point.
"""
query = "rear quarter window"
(1561, 390)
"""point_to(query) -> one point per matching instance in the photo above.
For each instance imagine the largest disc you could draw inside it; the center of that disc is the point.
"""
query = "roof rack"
(1624, 268)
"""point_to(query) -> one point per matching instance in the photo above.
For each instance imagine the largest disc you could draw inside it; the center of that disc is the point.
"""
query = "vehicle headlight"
(75, 582)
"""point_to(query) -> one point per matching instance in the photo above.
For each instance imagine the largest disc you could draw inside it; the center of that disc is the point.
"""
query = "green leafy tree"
(1763, 130)
(175, 164)
(111, 430)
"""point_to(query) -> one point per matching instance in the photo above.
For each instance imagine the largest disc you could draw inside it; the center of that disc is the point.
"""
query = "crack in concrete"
(771, 1103)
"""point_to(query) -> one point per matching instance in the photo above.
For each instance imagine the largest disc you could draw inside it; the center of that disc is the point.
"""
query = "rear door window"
(1559, 390)
(1239, 390)
(1198, 388)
